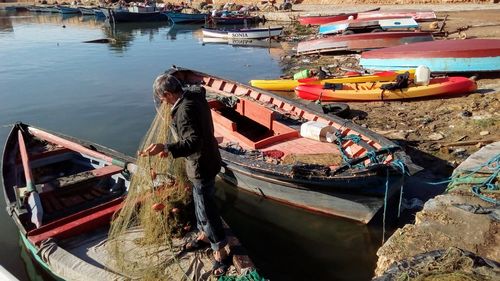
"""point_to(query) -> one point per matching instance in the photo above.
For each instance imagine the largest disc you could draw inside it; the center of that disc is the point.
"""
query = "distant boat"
(178, 17)
(471, 55)
(87, 10)
(368, 25)
(263, 144)
(323, 19)
(243, 33)
(80, 186)
(33, 9)
(236, 20)
(68, 10)
(128, 16)
(361, 42)
(98, 13)
(447, 86)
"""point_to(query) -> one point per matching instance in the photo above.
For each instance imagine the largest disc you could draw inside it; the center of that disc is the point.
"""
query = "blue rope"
(493, 165)
(400, 166)
(385, 204)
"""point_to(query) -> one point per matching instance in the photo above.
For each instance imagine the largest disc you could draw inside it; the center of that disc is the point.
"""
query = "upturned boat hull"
(366, 25)
(440, 56)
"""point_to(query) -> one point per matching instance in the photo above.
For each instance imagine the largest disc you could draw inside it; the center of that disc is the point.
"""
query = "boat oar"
(34, 201)
(76, 147)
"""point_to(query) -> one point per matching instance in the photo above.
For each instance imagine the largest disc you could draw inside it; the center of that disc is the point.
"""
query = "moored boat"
(62, 194)
(264, 151)
(178, 17)
(236, 20)
(361, 42)
(87, 10)
(471, 55)
(68, 10)
(368, 25)
(446, 86)
(243, 33)
(290, 84)
(114, 15)
(418, 15)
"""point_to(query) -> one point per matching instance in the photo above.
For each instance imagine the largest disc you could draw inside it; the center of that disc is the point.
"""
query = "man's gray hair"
(166, 83)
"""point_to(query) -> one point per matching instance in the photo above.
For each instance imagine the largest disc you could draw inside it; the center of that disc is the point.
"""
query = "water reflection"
(124, 33)
(5, 24)
(287, 243)
(178, 29)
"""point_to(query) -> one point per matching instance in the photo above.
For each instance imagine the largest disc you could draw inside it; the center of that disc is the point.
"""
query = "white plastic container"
(317, 131)
(422, 75)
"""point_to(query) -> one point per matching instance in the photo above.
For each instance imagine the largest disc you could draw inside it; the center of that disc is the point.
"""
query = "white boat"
(243, 33)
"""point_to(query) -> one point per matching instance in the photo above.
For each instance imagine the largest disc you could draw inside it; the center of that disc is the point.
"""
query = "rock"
(435, 136)
(484, 133)
(459, 151)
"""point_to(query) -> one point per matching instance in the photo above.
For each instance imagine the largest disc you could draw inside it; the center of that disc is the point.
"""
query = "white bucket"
(316, 131)
(422, 75)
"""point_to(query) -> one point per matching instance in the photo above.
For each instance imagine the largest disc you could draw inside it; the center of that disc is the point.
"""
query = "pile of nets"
(157, 209)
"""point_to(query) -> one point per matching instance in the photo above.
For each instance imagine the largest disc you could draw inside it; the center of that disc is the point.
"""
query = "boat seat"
(77, 223)
(258, 113)
(87, 175)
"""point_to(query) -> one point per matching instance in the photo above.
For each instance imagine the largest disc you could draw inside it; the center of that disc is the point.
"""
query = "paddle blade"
(35, 205)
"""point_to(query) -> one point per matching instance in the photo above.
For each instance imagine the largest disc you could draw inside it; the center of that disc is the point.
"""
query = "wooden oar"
(76, 147)
(34, 201)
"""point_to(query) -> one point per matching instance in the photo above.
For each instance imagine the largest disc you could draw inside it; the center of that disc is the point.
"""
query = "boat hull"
(423, 15)
(361, 42)
(126, 16)
(68, 10)
(440, 56)
(177, 17)
(243, 33)
(438, 87)
(365, 25)
(357, 207)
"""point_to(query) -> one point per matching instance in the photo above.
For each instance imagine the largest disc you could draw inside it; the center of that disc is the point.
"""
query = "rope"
(399, 165)
(385, 204)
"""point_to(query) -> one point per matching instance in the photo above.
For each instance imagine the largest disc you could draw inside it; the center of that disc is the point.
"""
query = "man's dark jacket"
(192, 124)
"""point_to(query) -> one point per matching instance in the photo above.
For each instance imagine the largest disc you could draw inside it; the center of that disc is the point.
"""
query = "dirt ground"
(449, 129)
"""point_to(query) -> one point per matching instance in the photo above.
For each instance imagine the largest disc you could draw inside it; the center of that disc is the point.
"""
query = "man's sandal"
(222, 265)
(194, 245)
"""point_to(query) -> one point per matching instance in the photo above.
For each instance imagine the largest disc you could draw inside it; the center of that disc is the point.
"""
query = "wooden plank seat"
(85, 176)
(77, 223)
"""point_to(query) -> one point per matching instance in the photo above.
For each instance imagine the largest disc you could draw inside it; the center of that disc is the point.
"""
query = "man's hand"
(153, 149)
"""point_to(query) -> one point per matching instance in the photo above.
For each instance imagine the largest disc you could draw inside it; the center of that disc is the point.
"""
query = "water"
(102, 93)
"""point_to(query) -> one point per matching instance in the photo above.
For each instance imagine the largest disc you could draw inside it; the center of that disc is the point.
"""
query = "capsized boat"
(323, 19)
(290, 84)
(368, 25)
(418, 15)
(266, 149)
(62, 194)
(471, 55)
(361, 42)
(243, 33)
(446, 86)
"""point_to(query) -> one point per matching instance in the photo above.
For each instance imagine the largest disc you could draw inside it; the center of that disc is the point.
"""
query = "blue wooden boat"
(368, 25)
(177, 17)
(99, 14)
(440, 56)
(68, 10)
(87, 11)
(127, 16)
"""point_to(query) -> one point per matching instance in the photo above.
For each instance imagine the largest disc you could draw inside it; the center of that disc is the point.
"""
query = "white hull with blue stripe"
(367, 25)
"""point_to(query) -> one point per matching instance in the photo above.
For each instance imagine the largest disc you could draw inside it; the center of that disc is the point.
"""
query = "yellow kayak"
(289, 84)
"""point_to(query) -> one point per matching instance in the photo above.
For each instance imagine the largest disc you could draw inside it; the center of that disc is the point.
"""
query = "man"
(193, 132)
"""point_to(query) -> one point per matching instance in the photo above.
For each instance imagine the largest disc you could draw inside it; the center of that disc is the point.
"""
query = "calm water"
(102, 92)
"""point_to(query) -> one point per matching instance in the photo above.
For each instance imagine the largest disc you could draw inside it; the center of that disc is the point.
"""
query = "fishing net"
(157, 209)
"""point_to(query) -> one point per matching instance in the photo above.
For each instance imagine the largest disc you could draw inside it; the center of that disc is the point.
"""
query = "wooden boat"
(99, 13)
(290, 84)
(87, 10)
(447, 86)
(128, 16)
(243, 33)
(470, 55)
(178, 17)
(80, 186)
(33, 9)
(361, 42)
(319, 19)
(235, 20)
(243, 42)
(263, 151)
(68, 10)
(418, 15)
(368, 25)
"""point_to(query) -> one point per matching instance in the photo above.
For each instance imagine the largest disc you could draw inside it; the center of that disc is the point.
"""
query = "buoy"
(153, 174)
(175, 210)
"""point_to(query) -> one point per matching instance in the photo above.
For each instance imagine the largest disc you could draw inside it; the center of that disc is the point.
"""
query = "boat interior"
(72, 187)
